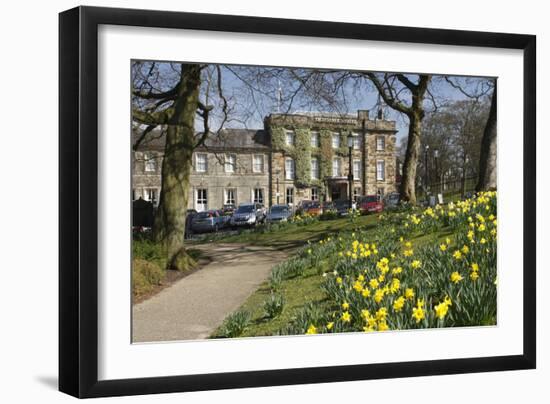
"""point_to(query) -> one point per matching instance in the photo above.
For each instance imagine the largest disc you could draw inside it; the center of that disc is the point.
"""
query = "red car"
(370, 204)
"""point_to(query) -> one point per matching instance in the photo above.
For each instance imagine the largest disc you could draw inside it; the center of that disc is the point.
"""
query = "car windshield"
(245, 209)
(279, 209)
(315, 205)
(204, 215)
(341, 203)
(370, 199)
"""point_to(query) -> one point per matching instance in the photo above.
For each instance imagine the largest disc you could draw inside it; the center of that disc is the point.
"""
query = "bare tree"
(393, 88)
(488, 154)
(169, 96)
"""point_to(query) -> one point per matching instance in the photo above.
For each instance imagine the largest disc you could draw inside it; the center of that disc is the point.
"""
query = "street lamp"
(351, 141)
(438, 180)
(426, 166)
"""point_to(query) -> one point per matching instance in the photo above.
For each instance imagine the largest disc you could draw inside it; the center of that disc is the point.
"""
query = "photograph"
(272, 201)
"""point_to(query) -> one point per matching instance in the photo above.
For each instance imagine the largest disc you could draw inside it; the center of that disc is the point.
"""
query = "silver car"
(248, 214)
(278, 213)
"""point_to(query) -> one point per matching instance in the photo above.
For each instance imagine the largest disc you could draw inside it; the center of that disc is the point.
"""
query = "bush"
(274, 305)
(329, 215)
(145, 276)
(235, 324)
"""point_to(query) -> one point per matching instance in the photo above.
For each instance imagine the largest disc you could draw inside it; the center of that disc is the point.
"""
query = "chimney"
(362, 115)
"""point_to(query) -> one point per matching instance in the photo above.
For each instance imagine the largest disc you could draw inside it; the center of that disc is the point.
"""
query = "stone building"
(295, 157)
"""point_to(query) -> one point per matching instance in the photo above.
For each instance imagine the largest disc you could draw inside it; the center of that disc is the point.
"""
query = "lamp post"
(351, 141)
(438, 180)
(427, 148)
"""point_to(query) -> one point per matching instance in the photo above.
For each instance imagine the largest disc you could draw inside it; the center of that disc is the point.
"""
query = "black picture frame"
(78, 206)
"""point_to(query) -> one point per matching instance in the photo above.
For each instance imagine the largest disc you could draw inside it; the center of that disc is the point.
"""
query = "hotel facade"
(295, 157)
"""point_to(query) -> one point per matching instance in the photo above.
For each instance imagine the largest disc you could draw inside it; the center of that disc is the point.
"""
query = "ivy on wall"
(302, 157)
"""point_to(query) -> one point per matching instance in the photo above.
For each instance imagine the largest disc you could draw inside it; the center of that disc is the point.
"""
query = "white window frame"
(230, 167)
(380, 170)
(335, 140)
(150, 164)
(262, 159)
(356, 141)
(314, 170)
(197, 155)
(380, 143)
(148, 197)
(290, 170)
(255, 197)
(315, 139)
(290, 138)
(226, 199)
(291, 195)
(314, 194)
(203, 198)
(356, 170)
(335, 167)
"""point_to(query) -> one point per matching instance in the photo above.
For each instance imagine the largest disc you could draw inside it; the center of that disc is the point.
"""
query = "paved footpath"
(194, 306)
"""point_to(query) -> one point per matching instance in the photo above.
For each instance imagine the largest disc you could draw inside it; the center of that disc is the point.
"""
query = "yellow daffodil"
(456, 277)
(311, 330)
(346, 317)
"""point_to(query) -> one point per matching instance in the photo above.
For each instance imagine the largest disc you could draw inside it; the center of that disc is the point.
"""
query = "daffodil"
(330, 325)
(346, 317)
(409, 294)
(311, 330)
(398, 304)
(416, 264)
(345, 305)
(456, 277)
(443, 247)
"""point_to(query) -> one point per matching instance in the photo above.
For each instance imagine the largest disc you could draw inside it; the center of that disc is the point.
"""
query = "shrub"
(274, 305)
(329, 215)
(145, 276)
(235, 324)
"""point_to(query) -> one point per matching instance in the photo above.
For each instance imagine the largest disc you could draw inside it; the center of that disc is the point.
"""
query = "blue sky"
(251, 101)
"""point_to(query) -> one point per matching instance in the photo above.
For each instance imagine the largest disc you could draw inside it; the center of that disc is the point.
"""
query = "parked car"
(278, 213)
(313, 208)
(342, 207)
(188, 221)
(370, 204)
(248, 214)
(302, 206)
(391, 200)
(210, 220)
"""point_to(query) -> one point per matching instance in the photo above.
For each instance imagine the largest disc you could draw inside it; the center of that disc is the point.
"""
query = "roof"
(225, 139)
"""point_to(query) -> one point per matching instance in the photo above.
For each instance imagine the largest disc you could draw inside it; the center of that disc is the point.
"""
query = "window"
(258, 195)
(314, 139)
(151, 195)
(201, 164)
(380, 143)
(314, 168)
(335, 140)
(290, 196)
(258, 163)
(380, 170)
(289, 139)
(356, 141)
(356, 169)
(380, 192)
(230, 163)
(314, 194)
(289, 169)
(133, 194)
(230, 196)
(335, 167)
(202, 200)
(150, 162)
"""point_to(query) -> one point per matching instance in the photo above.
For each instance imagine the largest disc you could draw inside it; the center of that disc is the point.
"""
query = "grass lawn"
(305, 289)
(292, 236)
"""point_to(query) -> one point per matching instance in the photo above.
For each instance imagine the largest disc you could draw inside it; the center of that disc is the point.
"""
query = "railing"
(451, 189)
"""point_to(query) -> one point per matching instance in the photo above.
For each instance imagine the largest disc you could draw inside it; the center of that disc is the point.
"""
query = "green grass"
(292, 236)
(302, 290)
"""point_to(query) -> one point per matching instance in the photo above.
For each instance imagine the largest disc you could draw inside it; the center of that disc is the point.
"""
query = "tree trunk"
(408, 181)
(169, 226)
(488, 154)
